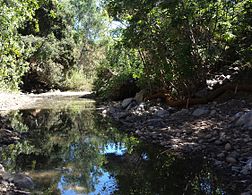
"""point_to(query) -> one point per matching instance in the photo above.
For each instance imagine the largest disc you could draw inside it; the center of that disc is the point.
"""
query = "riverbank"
(221, 131)
(15, 101)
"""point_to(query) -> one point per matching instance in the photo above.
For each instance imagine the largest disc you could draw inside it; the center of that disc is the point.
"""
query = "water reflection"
(69, 150)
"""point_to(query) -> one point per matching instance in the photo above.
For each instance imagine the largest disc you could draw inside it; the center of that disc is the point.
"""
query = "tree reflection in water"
(72, 151)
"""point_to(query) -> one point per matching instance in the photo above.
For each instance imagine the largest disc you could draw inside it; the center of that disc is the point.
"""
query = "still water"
(69, 149)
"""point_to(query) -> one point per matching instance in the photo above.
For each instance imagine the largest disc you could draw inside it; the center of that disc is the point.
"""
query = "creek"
(69, 149)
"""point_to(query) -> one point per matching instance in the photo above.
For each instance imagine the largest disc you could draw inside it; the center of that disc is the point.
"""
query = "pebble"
(228, 146)
(218, 142)
(245, 193)
(200, 111)
(231, 159)
(221, 155)
(213, 112)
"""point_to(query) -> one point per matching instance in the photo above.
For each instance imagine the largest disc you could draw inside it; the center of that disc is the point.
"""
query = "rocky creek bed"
(222, 132)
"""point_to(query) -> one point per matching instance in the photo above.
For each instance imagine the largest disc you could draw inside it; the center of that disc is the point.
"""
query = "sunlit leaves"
(12, 53)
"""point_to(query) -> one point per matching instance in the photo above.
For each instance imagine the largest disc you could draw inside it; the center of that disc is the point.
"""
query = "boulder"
(162, 113)
(23, 181)
(126, 102)
(139, 97)
(245, 120)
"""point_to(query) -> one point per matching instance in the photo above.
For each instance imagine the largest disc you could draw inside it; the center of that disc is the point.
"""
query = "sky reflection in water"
(71, 151)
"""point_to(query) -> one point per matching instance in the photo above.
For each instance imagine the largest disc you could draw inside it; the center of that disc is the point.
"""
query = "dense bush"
(182, 43)
(118, 72)
(43, 42)
(13, 55)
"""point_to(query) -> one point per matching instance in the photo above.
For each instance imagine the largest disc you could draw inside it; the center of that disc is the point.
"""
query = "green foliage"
(182, 42)
(77, 80)
(164, 44)
(120, 65)
(44, 40)
(51, 59)
(13, 56)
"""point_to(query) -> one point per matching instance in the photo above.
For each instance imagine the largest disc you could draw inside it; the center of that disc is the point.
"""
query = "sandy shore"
(15, 101)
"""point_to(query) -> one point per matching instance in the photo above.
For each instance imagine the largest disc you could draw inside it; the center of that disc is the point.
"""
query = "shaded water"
(70, 150)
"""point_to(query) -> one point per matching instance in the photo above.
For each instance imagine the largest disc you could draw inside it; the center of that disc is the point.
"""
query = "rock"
(121, 115)
(1, 168)
(111, 110)
(126, 102)
(245, 120)
(221, 155)
(247, 168)
(23, 181)
(234, 154)
(213, 112)
(200, 111)
(235, 168)
(161, 113)
(208, 136)
(155, 108)
(131, 105)
(237, 116)
(104, 112)
(245, 193)
(218, 142)
(139, 97)
(181, 112)
(231, 159)
(228, 147)
(7, 176)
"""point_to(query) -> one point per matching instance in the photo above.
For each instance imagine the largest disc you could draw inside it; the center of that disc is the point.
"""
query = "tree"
(182, 43)
(13, 54)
